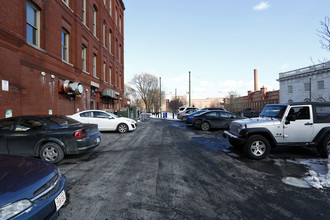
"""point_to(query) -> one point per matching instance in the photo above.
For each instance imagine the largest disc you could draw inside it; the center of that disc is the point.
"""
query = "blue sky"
(221, 42)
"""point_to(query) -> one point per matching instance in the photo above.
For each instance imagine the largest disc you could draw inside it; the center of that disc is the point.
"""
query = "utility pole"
(310, 89)
(189, 90)
(160, 96)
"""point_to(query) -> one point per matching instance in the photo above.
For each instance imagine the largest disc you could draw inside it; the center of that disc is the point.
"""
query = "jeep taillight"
(81, 134)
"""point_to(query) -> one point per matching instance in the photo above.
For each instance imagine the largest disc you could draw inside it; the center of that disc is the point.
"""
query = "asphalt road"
(166, 170)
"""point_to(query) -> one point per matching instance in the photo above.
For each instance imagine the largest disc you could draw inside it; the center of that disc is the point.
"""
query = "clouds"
(261, 6)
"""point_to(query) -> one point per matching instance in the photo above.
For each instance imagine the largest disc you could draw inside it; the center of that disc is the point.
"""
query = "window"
(301, 113)
(104, 34)
(86, 114)
(65, 45)
(119, 26)
(94, 64)
(29, 124)
(94, 20)
(84, 11)
(100, 115)
(7, 125)
(290, 89)
(119, 53)
(110, 75)
(306, 86)
(320, 85)
(83, 57)
(110, 37)
(116, 14)
(110, 7)
(104, 77)
(32, 24)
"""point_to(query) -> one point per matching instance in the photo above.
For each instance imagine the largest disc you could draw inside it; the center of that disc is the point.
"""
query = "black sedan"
(214, 119)
(30, 188)
(48, 137)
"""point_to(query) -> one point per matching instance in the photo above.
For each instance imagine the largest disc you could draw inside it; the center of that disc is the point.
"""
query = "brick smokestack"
(255, 79)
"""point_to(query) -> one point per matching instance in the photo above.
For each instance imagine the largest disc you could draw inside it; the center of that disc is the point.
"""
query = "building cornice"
(306, 71)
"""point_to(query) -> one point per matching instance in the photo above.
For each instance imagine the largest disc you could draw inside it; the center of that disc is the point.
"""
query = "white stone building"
(306, 84)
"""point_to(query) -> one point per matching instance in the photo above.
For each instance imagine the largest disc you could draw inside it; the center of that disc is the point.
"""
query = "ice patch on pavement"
(318, 175)
(292, 181)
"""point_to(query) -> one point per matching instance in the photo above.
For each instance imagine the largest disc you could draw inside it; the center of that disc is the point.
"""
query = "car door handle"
(308, 123)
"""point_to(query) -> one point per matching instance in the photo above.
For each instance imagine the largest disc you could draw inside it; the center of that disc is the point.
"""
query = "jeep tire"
(324, 147)
(256, 147)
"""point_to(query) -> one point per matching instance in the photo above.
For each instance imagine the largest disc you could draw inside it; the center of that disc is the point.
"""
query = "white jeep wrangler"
(298, 124)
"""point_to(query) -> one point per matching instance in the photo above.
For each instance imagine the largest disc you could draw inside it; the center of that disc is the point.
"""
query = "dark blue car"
(190, 117)
(30, 188)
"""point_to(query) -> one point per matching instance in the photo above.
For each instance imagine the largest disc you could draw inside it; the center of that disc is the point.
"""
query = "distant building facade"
(61, 56)
(306, 84)
(255, 100)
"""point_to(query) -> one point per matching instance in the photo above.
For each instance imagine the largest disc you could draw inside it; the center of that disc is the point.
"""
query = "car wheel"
(205, 126)
(51, 152)
(257, 147)
(122, 128)
(324, 147)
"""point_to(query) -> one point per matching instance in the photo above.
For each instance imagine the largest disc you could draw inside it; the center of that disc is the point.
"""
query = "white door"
(300, 130)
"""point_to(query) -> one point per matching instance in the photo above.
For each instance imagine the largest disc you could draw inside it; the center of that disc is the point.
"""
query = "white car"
(106, 121)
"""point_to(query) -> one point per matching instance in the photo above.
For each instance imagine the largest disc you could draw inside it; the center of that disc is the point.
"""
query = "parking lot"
(168, 170)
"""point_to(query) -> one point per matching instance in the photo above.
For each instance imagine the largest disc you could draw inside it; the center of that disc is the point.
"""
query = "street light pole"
(160, 96)
(189, 90)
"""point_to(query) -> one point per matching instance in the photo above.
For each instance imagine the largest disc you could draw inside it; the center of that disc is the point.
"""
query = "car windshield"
(273, 111)
(63, 121)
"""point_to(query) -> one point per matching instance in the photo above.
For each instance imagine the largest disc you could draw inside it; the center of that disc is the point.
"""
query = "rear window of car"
(322, 114)
(7, 125)
(63, 121)
(29, 124)
(86, 114)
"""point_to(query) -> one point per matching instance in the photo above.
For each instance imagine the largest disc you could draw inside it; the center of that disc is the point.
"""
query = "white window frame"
(36, 28)
(104, 75)
(110, 40)
(104, 30)
(84, 11)
(84, 58)
(307, 87)
(94, 64)
(110, 72)
(320, 85)
(110, 7)
(94, 20)
(65, 45)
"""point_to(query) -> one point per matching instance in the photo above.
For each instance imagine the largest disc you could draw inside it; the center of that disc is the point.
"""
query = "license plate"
(60, 200)
(98, 140)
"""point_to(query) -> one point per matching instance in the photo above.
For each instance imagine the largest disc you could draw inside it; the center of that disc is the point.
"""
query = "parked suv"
(298, 124)
(181, 109)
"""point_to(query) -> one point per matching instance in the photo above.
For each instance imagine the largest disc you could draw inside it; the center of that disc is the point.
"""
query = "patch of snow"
(318, 175)
(292, 181)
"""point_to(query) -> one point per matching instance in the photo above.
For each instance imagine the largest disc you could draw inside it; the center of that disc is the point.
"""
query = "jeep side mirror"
(290, 118)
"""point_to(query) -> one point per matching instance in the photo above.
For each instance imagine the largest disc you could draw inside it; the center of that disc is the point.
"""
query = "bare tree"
(175, 104)
(232, 102)
(324, 33)
(145, 85)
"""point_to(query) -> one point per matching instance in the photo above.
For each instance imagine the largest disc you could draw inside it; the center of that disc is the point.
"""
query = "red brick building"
(61, 56)
(255, 100)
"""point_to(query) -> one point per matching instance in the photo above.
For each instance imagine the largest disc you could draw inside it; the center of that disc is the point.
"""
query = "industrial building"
(61, 56)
